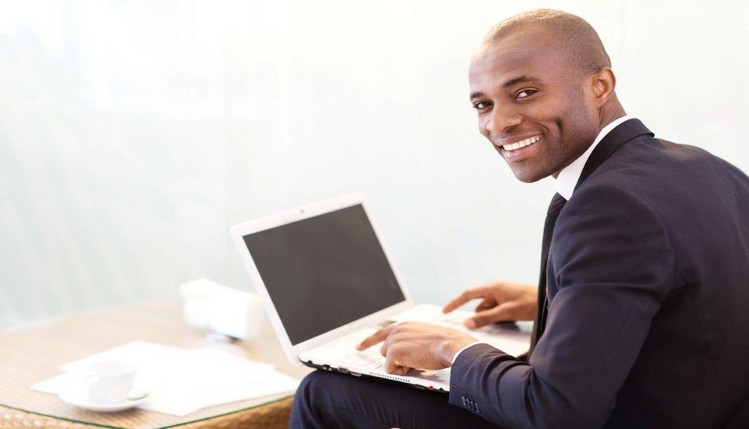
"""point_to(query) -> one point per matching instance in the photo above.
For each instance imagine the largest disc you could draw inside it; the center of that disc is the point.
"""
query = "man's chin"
(528, 176)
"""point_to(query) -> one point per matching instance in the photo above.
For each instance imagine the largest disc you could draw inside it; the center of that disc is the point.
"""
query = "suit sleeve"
(613, 265)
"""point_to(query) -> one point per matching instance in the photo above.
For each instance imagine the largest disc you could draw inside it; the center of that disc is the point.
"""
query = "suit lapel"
(623, 133)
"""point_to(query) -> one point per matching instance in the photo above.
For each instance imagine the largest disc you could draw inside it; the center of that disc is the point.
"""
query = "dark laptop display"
(332, 263)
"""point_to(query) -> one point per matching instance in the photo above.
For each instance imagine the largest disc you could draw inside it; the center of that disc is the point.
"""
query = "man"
(641, 315)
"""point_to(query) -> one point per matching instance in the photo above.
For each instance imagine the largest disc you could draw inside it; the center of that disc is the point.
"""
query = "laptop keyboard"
(455, 321)
(348, 358)
(372, 359)
(369, 359)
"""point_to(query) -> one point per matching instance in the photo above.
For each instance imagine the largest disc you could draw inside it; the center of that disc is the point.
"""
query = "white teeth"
(522, 143)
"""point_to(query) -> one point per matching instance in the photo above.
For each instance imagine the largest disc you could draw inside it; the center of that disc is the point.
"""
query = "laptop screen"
(324, 271)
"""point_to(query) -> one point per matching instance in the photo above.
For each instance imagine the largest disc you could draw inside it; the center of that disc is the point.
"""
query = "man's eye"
(481, 105)
(525, 93)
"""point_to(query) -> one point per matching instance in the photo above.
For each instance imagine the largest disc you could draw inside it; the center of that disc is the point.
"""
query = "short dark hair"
(574, 34)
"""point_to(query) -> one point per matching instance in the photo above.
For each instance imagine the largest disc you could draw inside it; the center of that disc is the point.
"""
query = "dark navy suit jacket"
(648, 286)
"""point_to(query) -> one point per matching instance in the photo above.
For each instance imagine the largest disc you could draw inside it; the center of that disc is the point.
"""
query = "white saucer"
(81, 399)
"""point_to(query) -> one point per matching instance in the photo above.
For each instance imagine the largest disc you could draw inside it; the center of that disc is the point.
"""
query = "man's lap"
(333, 400)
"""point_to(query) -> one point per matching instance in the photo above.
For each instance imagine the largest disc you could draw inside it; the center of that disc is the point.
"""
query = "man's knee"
(313, 391)
(303, 413)
(312, 384)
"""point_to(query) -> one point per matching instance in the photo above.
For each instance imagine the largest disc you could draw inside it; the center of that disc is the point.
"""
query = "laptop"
(328, 282)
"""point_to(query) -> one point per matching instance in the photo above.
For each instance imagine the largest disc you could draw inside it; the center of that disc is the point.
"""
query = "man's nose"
(501, 120)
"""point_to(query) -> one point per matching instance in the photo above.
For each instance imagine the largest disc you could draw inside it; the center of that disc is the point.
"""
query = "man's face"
(534, 104)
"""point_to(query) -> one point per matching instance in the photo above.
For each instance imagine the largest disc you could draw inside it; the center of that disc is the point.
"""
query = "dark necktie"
(557, 202)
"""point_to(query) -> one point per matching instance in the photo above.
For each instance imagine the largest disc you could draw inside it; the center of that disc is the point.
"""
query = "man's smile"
(522, 143)
(515, 149)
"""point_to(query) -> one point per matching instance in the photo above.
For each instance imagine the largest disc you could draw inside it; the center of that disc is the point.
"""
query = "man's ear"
(604, 83)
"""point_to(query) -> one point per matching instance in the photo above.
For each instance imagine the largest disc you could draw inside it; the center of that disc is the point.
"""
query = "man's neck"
(567, 179)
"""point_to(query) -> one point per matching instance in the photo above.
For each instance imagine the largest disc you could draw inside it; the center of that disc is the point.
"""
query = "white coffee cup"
(108, 381)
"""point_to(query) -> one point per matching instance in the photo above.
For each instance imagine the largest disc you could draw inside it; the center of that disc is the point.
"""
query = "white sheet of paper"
(182, 381)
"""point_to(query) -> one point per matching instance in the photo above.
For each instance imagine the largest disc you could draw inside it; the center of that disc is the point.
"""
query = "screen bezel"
(239, 231)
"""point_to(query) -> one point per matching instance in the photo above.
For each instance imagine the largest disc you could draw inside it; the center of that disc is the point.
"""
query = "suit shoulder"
(660, 164)
(665, 179)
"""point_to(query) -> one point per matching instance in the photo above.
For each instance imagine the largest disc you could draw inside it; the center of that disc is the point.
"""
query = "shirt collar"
(567, 179)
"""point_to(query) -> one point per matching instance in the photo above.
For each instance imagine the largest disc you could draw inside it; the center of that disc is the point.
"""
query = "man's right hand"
(501, 302)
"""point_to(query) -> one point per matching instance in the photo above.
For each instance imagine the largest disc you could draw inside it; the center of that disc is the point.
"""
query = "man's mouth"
(521, 144)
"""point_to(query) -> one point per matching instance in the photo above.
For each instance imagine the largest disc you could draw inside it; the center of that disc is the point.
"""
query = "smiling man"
(640, 314)
(542, 98)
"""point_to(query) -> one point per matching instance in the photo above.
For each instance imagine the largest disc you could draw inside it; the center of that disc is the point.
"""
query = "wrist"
(447, 351)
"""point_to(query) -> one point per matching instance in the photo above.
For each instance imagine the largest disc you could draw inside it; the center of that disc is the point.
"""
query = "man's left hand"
(417, 345)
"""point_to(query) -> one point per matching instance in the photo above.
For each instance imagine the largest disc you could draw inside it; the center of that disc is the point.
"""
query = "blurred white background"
(134, 133)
